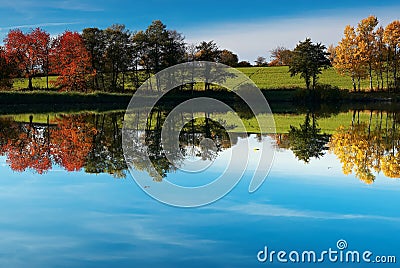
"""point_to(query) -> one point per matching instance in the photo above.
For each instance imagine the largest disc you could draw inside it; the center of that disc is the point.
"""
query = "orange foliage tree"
(29, 51)
(71, 60)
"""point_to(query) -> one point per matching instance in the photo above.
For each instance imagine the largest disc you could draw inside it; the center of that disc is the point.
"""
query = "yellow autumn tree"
(347, 60)
(392, 39)
(367, 43)
(380, 55)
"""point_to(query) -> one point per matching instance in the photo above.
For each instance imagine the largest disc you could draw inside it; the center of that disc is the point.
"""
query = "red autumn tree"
(71, 60)
(28, 51)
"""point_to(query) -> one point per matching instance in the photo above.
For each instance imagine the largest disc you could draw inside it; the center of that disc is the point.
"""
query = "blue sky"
(248, 28)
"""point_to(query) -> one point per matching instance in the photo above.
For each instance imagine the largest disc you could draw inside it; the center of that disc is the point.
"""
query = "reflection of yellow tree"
(391, 165)
(359, 149)
(363, 148)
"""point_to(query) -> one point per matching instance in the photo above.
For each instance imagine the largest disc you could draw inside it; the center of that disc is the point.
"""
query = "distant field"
(37, 82)
(264, 77)
(279, 77)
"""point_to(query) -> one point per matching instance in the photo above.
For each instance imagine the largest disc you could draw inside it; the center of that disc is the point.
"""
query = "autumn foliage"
(72, 62)
(66, 142)
(370, 51)
(29, 51)
(365, 149)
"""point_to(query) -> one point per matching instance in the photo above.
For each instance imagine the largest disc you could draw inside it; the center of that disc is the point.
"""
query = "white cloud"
(32, 26)
(270, 210)
(253, 39)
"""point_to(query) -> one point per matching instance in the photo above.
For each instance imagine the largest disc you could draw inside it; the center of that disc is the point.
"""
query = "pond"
(68, 199)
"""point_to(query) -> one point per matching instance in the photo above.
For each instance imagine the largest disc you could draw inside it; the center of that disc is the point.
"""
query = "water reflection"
(367, 143)
(365, 147)
(75, 141)
(93, 142)
(200, 138)
(306, 141)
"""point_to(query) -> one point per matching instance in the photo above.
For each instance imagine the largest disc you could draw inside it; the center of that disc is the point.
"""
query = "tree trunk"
(371, 87)
(123, 81)
(387, 70)
(395, 69)
(30, 87)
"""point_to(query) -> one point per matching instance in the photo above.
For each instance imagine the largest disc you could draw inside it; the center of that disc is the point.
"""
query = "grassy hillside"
(279, 77)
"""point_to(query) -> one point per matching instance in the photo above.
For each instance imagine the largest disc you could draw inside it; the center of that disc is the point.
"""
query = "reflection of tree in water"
(306, 141)
(365, 147)
(71, 141)
(201, 137)
(106, 154)
(27, 145)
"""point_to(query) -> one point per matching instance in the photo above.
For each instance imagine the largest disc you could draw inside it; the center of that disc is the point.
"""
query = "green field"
(264, 77)
(37, 82)
(279, 78)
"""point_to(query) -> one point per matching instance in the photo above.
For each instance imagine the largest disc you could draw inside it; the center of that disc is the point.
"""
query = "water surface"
(68, 200)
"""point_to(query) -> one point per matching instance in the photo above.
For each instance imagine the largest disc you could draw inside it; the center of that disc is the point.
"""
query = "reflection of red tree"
(29, 150)
(71, 142)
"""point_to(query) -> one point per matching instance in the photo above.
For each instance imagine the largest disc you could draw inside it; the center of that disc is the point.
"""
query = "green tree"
(95, 43)
(308, 60)
(118, 53)
(158, 48)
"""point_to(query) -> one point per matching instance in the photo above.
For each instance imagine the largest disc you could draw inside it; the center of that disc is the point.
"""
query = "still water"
(67, 199)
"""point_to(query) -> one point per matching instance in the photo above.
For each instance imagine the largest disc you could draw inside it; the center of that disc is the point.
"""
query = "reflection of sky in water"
(81, 220)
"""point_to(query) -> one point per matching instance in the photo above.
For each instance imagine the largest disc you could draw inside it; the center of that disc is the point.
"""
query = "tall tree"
(95, 43)
(72, 62)
(380, 54)
(158, 48)
(207, 51)
(348, 60)
(308, 60)
(118, 53)
(392, 39)
(366, 40)
(29, 51)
